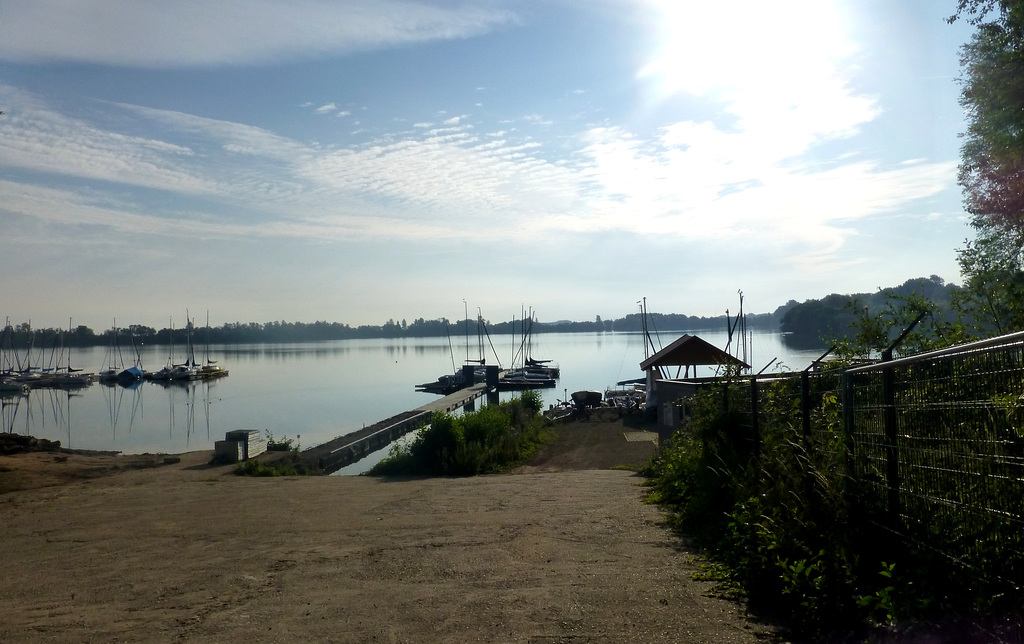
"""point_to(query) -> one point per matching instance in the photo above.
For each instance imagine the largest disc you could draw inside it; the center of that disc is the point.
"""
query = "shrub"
(483, 441)
(771, 511)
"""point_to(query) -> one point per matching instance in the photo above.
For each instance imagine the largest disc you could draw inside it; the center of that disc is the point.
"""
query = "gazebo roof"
(690, 350)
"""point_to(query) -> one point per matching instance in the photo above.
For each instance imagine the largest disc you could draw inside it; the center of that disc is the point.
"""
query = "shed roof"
(690, 350)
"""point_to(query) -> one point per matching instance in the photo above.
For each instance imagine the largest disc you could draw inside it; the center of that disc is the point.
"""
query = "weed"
(280, 445)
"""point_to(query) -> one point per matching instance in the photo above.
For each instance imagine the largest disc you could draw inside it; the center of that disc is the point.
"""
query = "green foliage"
(992, 156)
(868, 319)
(990, 302)
(928, 327)
(781, 519)
(784, 519)
(881, 602)
(484, 441)
(280, 445)
(993, 270)
(532, 400)
(810, 322)
(992, 166)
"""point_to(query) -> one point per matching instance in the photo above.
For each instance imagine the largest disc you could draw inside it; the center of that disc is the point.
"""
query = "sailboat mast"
(190, 359)
(643, 327)
(207, 357)
(70, 342)
(480, 335)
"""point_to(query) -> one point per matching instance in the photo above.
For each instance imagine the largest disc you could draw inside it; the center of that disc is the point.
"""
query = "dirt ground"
(110, 548)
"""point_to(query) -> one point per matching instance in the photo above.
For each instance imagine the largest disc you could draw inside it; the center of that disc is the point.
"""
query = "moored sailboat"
(210, 368)
(64, 375)
(114, 359)
(190, 370)
(135, 372)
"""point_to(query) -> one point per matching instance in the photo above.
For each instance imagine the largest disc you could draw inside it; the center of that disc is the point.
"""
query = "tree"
(992, 298)
(992, 156)
(992, 167)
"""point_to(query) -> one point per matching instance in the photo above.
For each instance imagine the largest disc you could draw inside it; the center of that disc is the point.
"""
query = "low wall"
(336, 454)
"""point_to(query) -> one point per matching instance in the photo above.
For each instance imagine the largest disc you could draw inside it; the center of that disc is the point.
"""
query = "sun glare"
(701, 48)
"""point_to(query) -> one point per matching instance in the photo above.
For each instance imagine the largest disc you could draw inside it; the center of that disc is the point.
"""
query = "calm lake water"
(316, 391)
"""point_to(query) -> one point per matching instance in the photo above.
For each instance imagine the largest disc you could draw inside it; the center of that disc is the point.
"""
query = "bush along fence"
(873, 493)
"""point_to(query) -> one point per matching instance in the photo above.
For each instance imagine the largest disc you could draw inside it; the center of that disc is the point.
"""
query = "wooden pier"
(344, 450)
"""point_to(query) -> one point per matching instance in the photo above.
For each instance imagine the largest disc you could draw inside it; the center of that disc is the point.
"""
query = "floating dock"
(344, 450)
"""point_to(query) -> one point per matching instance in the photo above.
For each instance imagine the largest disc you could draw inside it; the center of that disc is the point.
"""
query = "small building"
(664, 392)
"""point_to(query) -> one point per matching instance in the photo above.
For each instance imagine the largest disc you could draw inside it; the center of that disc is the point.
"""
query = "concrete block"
(229, 451)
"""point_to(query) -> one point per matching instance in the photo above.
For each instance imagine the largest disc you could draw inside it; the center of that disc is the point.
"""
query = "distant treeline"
(807, 323)
(813, 322)
(21, 336)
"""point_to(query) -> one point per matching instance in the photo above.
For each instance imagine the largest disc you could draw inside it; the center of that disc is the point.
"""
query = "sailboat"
(115, 361)
(164, 373)
(189, 370)
(210, 368)
(135, 372)
(28, 374)
(69, 377)
(446, 383)
(8, 383)
(531, 373)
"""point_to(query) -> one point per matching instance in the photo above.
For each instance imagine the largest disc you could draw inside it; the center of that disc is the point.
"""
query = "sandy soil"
(109, 548)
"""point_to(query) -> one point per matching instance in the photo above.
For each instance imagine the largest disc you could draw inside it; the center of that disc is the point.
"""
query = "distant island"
(805, 323)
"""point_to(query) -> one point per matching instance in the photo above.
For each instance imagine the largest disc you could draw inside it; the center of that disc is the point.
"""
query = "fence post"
(805, 401)
(754, 424)
(890, 420)
(846, 392)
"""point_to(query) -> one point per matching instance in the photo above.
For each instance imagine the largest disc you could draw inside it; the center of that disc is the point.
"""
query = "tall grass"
(478, 442)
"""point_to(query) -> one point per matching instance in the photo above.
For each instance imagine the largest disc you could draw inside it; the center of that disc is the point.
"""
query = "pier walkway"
(344, 450)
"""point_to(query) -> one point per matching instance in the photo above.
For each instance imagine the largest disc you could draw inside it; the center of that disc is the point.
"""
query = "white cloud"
(41, 140)
(202, 33)
(294, 189)
(698, 185)
(324, 109)
(748, 183)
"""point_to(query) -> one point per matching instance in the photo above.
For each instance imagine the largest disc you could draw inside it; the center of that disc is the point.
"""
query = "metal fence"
(934, 445)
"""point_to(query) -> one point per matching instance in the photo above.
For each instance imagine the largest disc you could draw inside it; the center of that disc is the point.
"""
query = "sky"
(364, 160)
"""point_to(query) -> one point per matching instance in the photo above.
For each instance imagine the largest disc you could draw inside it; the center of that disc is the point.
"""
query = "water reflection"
(73, 417)
(115, 396)
(319, 390)
(335, 349)
(49, 411)
(283, 352)
(10, 406)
